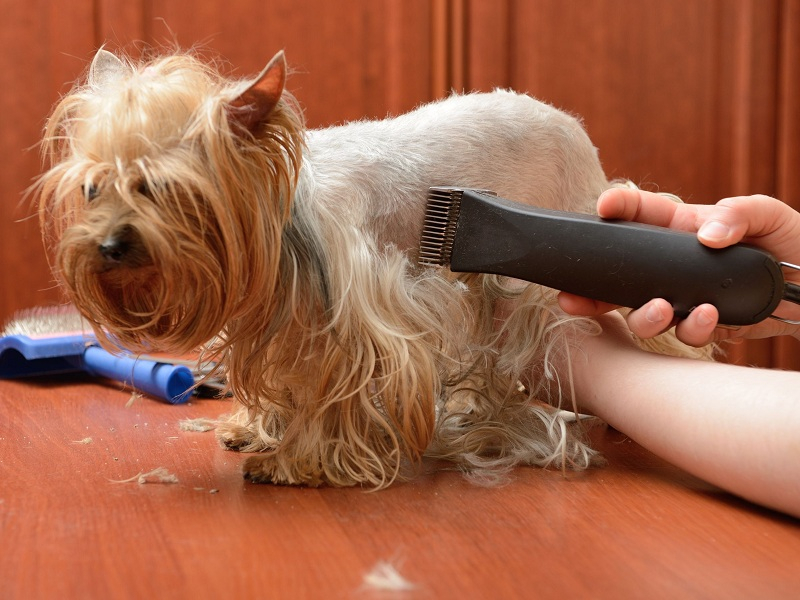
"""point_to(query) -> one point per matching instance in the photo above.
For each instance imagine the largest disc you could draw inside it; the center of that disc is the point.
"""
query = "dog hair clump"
(157, 475)
(187, 209)
(199, 424)
(385, 577)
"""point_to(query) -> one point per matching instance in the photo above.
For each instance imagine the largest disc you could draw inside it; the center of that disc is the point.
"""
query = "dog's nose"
(113, 250)
(117, 246)
(122, 248)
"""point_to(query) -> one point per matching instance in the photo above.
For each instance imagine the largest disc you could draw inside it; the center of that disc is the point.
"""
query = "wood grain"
(787, 351)
(679, 97)
(635, 528)
(365, 61)
(41, 51)
(691, 97)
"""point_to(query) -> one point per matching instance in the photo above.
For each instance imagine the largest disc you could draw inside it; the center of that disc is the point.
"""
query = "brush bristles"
(46, 321)
(441, 218)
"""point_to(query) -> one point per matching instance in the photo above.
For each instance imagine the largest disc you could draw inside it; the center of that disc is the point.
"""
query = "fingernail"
(653, 314)
(714, 231)
(703, 319)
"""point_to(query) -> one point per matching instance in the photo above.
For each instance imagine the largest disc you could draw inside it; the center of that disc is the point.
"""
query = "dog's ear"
(254, 105)
(105, 67)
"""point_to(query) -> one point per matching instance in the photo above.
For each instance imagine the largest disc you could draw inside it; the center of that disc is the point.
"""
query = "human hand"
(758, 220)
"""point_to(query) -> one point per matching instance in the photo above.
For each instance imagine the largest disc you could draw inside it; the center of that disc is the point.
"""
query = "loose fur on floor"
(188, 209)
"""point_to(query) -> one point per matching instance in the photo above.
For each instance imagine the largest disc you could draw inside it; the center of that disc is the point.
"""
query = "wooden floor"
(637, 528)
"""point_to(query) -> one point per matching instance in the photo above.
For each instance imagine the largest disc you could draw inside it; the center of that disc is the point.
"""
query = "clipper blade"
(441, 217)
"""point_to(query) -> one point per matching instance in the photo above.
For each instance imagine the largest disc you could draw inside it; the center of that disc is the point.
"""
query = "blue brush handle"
(173, 383)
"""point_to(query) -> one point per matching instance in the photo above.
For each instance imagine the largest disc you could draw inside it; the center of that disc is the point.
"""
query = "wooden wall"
(696, 97)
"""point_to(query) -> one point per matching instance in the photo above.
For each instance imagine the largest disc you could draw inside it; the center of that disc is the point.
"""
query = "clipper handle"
(612, 261)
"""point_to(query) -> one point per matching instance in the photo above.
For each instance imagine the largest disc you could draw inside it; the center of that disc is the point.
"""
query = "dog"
(186, 209)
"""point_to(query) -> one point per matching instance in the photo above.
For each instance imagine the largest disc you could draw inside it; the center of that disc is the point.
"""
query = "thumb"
(717, 234)
(731, 219)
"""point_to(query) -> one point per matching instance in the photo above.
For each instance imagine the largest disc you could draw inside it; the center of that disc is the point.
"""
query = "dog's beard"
(148, 305)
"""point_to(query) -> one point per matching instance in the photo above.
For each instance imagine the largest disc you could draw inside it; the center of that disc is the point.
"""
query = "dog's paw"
(260, 469)
(265, 468)
(232, 436)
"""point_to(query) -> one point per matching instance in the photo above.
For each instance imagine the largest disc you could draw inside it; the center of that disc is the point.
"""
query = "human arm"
(758, 220)
(735, 427)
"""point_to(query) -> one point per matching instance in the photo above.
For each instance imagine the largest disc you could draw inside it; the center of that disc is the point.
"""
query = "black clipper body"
(612, 261)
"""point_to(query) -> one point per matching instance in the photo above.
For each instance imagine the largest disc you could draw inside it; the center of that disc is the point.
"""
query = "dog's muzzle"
(122, 248)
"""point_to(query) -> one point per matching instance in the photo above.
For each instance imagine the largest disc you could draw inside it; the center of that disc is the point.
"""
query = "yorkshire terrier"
(187, 209)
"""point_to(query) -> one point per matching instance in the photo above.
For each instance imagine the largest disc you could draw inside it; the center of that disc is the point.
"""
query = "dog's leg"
(354, 439)
(369, 414)
(365, 411)
(501, 414)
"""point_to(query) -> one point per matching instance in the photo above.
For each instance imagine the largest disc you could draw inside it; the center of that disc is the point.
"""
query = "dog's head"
(167, 193)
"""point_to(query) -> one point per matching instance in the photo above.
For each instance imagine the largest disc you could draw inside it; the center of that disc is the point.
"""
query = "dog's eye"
(89, 191)
(144, 189)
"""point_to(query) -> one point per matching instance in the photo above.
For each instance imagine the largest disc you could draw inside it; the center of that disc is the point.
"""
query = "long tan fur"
(187, 209)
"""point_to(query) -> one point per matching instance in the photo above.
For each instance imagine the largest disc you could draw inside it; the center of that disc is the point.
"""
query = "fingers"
(729, 221)
(699, 328)
(756, 219)
(760, 219)
(652, 319)
(657, 316)
(578, 305)
(646, 207)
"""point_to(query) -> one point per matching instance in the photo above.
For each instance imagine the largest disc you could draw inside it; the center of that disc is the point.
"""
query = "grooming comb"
(619, 262)
(51, 341)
